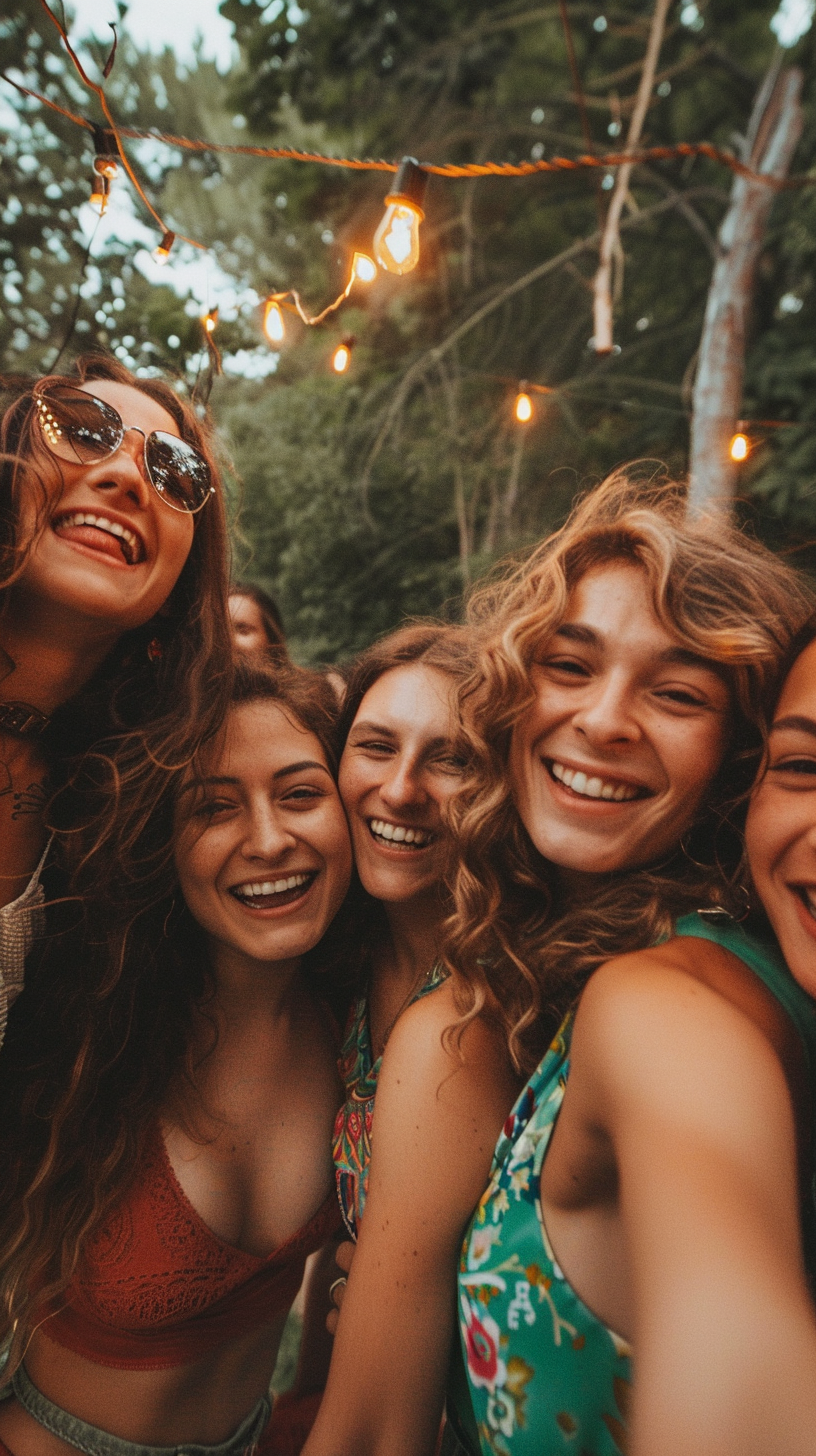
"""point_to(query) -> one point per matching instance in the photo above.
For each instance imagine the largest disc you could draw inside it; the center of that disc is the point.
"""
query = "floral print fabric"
(353, 1125)
(545, 1376)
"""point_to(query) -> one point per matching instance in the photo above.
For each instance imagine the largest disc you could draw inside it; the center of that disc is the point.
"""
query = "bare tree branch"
(610, 242)
(426, 361)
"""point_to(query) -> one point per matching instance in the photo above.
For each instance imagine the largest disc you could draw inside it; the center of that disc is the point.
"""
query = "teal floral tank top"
(355, 1119)
(544, 1376)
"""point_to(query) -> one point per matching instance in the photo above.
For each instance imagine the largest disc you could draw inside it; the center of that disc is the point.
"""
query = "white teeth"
(270, 887)
(399, 833)
(102, 523)
(591, 788)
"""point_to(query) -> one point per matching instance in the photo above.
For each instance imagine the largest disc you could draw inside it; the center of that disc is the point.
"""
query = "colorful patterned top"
(352, 1128)
(545, 1376)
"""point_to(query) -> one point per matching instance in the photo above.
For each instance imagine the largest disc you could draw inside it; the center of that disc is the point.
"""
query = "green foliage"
(383, 493)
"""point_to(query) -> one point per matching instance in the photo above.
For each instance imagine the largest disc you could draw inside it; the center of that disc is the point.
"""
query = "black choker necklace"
(23, 720)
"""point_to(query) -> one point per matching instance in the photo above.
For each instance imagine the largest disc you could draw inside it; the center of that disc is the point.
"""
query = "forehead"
(798, 696)
(259, 739)
(135, 407)
(413, 697)
(617, 597)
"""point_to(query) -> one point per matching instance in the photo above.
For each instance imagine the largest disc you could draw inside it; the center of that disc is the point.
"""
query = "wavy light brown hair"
(97, 1042)
(515, 944)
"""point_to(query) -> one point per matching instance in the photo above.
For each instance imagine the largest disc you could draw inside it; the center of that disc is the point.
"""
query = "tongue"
(96, 539)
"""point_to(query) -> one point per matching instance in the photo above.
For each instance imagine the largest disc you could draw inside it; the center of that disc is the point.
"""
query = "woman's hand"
(343, 1260)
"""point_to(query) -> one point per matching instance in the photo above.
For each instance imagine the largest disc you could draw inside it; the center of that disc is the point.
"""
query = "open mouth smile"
(272, 894)
(399, 836)
(592, 786)
(101, 533)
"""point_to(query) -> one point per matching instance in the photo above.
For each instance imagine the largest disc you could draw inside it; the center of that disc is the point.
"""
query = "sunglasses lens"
(179, 473)
(76, 426)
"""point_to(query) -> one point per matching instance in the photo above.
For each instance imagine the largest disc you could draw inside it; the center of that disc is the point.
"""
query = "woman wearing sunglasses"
(113, 622)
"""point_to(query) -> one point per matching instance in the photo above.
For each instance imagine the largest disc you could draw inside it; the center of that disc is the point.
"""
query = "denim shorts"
(94, 1442)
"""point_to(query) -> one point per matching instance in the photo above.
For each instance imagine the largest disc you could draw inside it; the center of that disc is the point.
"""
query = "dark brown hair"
(94, 1043)
(270, 615)
(514, 943)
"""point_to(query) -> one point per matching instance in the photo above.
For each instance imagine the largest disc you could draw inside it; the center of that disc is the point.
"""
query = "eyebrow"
(213, 780)
(804, 725)
(680, 656)
(439, 742)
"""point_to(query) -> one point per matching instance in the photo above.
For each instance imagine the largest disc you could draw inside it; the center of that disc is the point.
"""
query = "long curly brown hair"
(515, 944)
(99, 1039)
(140, 713)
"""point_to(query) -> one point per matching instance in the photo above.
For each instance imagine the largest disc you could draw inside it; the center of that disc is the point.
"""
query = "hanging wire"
(450, 170)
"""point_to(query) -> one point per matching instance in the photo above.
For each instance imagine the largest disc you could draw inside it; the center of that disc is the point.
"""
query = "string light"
(341, 358)
(273, 322)
(210, 320)
(100, 192)
(396, 241)
(524, 405)
(162, 252)
(740, 448)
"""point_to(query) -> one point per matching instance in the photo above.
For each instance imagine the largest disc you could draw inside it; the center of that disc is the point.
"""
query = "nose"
(129, 472)
(268, 837)
(402, 786)
(607, 713)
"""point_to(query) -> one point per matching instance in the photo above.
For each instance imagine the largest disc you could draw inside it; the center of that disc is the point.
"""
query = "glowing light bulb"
(524, 407)
(99, 194)
(740, 448)
(363, 267)
(162, 252)
(396, 241)
(210, 320)
(273, 322)
(341, 358)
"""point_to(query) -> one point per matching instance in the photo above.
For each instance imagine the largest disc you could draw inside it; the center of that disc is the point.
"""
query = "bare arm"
(695, 1103)
(436, 1122)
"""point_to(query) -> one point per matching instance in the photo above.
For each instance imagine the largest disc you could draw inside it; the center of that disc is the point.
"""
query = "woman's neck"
(45, 658)
(414, 936)
(248, 991)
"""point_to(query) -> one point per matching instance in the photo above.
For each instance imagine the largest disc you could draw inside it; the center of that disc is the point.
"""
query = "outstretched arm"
(436, 1123)
(695, 1102)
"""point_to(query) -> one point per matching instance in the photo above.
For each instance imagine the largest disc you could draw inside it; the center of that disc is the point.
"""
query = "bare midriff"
(201, 1403)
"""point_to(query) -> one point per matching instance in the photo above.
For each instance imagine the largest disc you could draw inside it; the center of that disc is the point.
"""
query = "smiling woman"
(113, 634)
(155, 1229)
(646, 1185)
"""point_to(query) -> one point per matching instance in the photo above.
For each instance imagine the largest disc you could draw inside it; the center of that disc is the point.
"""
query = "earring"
(155, 649)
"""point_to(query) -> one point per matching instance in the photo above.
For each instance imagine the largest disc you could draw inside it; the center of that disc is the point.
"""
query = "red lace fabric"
(158, 1288)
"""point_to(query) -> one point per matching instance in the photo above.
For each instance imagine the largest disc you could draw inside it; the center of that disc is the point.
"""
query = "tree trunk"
(773, 133)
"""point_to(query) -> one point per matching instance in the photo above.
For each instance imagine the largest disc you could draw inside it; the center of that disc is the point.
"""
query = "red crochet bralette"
(158, 1288)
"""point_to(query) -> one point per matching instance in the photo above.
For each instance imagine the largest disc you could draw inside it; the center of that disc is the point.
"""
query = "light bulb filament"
(524, 407)
(273, 322)
(740, 448)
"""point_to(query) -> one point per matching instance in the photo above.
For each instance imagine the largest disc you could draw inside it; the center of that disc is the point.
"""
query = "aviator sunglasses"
(79, 428)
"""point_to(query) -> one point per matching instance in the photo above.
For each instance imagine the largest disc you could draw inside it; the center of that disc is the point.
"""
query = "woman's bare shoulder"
(655, 1030)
